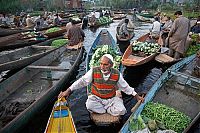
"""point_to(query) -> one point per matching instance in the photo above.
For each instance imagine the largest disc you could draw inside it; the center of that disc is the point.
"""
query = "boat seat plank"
(47, 68)
(104, 119)
(45, 47)
(183, 75)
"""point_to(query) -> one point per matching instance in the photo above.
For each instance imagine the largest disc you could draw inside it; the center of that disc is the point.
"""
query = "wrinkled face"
(105, 65)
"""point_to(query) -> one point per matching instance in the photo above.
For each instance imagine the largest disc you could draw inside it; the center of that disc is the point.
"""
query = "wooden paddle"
(137, 105)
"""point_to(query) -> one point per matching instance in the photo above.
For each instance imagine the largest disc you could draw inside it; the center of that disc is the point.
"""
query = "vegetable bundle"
(104, 20)
(145, 47)
(192, 49)
(171, 118)
(59, 42)
(54, 29)
(100, 51)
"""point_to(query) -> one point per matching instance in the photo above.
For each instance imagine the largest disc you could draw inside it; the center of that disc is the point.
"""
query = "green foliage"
(54, 29)
(193, 49)
(59, 42)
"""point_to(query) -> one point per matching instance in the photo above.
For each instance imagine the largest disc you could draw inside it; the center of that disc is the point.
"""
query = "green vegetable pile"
(54, 29)
(192, 49)
(145, 47)
(194, 37)
(59, 42)
(100, 51)
(171, 118)
(136, 125)
(104, 20)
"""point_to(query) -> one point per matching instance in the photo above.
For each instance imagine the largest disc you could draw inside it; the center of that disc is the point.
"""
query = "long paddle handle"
(136, 105)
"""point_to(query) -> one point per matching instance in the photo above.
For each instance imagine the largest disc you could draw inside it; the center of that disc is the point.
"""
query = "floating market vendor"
(123, 30)
(75, 34)
(105, 96)
(178, 35)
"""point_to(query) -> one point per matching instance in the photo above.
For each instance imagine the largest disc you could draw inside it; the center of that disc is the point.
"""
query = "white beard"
(105, 72)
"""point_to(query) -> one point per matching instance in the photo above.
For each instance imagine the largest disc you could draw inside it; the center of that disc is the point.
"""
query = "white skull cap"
(109, 57)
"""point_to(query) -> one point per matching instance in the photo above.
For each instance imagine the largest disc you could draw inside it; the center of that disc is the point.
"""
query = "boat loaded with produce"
(171, 105)
(140, 52)
(102, 21)
(103, 44)
(27, 92)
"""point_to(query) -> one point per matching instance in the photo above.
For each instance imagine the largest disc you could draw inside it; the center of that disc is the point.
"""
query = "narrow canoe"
(60, 120)
(119, 16)
(6, 32)
(173, 86)
(100, 24)
(104, 38)
(27, 92)
(24, 56)
(17, 40)
(130, 27)
(144, 19)
(129, 59)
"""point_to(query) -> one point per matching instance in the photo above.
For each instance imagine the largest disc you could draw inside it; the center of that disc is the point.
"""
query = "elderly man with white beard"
(106, 86)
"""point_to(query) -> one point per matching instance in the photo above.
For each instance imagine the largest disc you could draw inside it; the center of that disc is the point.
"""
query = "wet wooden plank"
(47, 68)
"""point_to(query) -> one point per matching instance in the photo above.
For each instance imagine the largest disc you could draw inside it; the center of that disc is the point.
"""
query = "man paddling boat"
(105, 96)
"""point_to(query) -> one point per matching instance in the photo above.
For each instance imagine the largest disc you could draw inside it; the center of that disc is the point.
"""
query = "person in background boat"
(29, 22)
(106, 83)
(39, 23)
(56, 20)
(196, 27)
(155, 31)
(123, 30)
(93, 20)
(165, 30)
(178, 35)
(157, 15)
(4, 20)
(75, 34)
(85, 22)
(69, 24)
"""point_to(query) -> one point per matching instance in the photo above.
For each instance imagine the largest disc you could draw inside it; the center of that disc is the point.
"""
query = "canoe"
(56, 33)
(176, 89)
(24, 56)
(104, 38)
(130, 27)
(128, 59)
(60, 120)
(10, 31)
(144, 19)
(98, 23)
(119, 16)
(27, 92)
(6, 32)
(20, 40)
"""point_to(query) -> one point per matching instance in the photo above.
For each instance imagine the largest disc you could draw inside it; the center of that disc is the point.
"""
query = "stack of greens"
(145, 47)
(192, 49)
(171, 118)
(59, 42)
(53, 30)
(100, 51)
(104, 20)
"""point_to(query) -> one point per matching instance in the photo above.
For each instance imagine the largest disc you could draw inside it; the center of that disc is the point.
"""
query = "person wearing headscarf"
(106, 86)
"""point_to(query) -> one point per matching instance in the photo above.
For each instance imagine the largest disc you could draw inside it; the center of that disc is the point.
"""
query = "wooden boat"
(104, 38)
(98, 24)
(60, 120)
(56, 33)
(10, 31)
(129, 59)
(24, 56)
(6, 32)
(21, 40)
(119, 16)
(130, 27)
(27, 92)
(144, 19)
(165, 59)
(176, 89)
